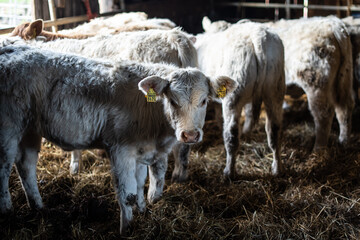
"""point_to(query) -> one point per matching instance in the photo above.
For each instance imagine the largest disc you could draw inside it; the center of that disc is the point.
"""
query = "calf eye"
(203, 103)
(172, 102)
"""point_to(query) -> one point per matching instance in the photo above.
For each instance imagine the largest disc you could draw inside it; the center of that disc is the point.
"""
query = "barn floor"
(317, 198)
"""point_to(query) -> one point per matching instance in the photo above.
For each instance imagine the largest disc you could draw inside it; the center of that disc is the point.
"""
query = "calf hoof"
(5, 206)
(179, 177)
(141, 206)
(343, 141)
(154, 197)
(229, 174)
(74, 168)
(277, 169)
(124, 225)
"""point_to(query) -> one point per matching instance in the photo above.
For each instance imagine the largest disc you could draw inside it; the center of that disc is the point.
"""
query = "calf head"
(28, 31)
(185, 94)
(213, 27)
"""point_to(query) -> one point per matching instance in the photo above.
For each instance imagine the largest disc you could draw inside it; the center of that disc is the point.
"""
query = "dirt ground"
(318, 197)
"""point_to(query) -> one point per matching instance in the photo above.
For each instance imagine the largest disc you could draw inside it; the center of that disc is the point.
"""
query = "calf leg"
(75, 162)
(343, 112)
(322, 110)
(273, 108)
(26, 168)
(141, 174)
(125, 182)
(9, 149)
(181, 154)
(157, 178)
(231, 137)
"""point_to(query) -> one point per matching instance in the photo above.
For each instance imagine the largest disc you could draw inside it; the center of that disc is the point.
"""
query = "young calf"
(254, 57)
(171, 46)
(80, 103)
(318, 59)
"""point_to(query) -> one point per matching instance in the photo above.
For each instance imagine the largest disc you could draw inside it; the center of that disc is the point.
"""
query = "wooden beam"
(49, 23)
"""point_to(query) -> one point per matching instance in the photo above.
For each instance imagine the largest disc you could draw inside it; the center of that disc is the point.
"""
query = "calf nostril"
(184, 136)
(197, 136)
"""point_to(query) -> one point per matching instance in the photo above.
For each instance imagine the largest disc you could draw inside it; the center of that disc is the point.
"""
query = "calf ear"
(220, 83)
(36, 27)
(206, 23)
(157, 83)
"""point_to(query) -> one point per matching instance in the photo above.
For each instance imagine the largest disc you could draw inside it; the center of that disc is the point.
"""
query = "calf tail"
(344, 83)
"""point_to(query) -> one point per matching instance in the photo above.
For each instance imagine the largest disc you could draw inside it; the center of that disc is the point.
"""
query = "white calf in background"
(318, 59)
(132, 21)
(254, 57)
(112, 113)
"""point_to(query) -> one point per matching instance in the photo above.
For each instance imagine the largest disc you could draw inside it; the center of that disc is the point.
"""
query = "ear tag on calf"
(151, 95)
(221, 92)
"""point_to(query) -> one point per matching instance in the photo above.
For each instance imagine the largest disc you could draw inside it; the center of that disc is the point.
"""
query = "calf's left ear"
(158, 84)
(222, 86)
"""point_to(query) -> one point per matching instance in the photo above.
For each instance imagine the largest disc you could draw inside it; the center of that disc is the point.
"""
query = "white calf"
(318, 59)
(254, 57)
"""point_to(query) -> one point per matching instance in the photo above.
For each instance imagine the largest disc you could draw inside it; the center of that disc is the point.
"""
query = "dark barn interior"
(317, 197)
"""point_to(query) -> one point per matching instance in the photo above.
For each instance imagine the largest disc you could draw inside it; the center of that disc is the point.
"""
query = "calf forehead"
(189, 85)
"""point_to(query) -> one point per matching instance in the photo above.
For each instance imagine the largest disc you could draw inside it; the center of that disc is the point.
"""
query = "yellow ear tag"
(34, 33)
(221, 92)
(151, 95)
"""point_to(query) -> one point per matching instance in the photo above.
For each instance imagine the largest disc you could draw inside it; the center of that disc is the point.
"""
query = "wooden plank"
(49, 23)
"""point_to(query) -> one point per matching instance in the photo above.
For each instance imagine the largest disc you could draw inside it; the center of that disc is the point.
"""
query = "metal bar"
(293, 6)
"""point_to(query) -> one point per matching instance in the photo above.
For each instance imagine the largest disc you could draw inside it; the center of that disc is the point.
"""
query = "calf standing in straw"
(40, 91)
(171, 46)
(318, 59)
(254, 57)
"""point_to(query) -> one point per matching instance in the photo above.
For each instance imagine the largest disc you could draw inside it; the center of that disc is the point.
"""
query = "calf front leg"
(124, 171)
(9, 150)
(157, 178)
(231, 138)
(181, 153)
(141, 174)
(26, 168)
(75, 162)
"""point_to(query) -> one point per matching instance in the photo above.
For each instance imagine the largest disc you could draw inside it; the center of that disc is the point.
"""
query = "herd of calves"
(139, 89)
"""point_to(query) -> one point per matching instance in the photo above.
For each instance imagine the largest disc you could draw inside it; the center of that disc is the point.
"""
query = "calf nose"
(190, 136)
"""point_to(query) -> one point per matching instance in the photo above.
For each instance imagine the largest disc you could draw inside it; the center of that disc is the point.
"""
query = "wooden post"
(349, 3)
(36, 9)
(287, 9)
(52, 11)
(305, 10)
